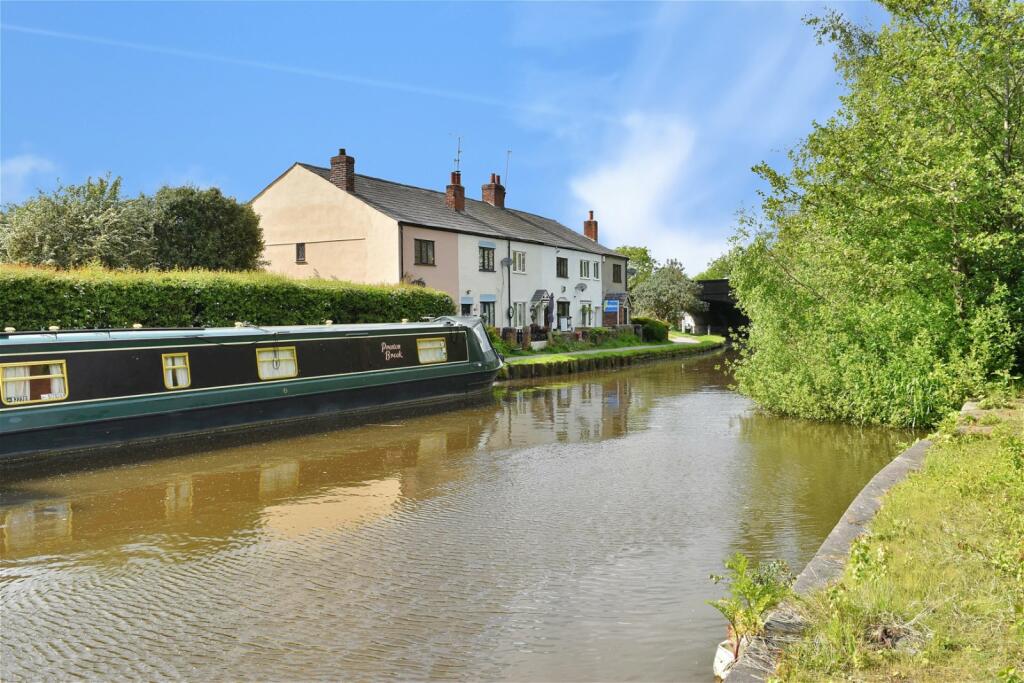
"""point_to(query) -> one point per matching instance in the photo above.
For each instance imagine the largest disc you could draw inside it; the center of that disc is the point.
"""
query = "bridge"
(722, 313)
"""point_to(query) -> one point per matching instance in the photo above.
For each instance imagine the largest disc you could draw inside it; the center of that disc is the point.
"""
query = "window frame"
(584, 269)
(559, 270)
(518, 261)
(486, 258)
(419, 349)
(595, 269)
(519, 309)
(164, 367)
(420, 250)
(259, 365)
(28, 363)
(493, 307)
(300, 252)
(617, 273)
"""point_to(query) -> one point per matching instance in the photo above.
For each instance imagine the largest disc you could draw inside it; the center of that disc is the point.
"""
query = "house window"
(177, 374)
(586, 314)
(424, 252)
(518, 261)
(487, 312)
(277, 362)
(300, 252)
(467, 309)
(584, 269)
(597, 270)
(562, 308)
(562, 267)
(519, 314)
(33, 382)
(486, 259)
(433, 350)
(617, 272)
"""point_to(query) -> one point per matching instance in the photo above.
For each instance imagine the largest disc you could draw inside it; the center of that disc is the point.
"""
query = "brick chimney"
(455, 194)
(343, 171)
(590, 227)
(494, 192)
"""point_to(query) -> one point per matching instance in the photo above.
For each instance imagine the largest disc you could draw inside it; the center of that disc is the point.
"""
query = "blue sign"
(611, 305)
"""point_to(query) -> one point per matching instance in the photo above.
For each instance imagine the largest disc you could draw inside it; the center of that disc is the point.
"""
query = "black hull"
(204, 428)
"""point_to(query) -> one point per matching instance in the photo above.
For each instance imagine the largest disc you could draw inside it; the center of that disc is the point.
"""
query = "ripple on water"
(562, 532)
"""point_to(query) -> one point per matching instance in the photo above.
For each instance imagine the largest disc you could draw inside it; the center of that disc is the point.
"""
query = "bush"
(654, 330)
(35, 298)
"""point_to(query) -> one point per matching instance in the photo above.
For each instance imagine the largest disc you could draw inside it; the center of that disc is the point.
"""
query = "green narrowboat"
(72, 391)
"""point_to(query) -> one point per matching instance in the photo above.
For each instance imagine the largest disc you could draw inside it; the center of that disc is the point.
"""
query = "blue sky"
(650, 114)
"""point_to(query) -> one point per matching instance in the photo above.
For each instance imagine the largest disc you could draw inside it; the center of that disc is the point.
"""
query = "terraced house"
(510, 267)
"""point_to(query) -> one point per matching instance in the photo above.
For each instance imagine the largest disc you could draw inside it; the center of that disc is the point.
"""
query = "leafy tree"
(641, 261)
(721, 267)
(204, 229)
(76, 225)
(667, 293)
(884, 278)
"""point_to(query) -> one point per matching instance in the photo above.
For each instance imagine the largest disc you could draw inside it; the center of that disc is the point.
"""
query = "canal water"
(557, 532)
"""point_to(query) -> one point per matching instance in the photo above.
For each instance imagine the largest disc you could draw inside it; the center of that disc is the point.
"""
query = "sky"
(649, 114)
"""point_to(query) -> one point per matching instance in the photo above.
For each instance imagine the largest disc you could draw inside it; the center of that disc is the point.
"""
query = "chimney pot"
(494, 192)
(343, 171)
(455, 193)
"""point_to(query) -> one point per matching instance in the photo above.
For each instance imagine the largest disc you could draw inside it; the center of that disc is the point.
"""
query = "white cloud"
(640, 193)
(17, 172)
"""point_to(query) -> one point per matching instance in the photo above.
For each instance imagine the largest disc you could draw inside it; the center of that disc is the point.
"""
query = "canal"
(558, 532)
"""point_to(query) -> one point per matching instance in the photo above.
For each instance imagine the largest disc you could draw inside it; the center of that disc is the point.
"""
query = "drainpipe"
(508, 309)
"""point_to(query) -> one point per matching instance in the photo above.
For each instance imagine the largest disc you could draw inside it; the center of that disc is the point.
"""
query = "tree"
(721, 267)
(204, 229)
(641, 261)
(668, 293)
(77, 225)
(884, 276)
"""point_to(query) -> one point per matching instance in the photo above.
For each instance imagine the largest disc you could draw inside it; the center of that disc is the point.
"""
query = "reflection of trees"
(805, 473)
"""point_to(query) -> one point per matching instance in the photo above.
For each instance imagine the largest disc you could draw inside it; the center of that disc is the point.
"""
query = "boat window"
(432, 350)
(33, 382)
(177, 374)
(278, 362)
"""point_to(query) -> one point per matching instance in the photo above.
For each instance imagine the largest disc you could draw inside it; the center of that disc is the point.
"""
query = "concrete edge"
(758, 662)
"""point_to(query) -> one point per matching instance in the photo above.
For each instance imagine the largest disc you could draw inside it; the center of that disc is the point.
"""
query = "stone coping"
(757, 662)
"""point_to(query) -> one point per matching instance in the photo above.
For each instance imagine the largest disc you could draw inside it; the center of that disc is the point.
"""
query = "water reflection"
(557, 532)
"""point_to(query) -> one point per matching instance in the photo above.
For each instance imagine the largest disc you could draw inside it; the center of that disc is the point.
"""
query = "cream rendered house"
(510, 267)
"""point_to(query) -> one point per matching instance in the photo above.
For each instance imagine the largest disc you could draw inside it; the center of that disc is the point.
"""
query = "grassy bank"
(544, 365)
(935, 591)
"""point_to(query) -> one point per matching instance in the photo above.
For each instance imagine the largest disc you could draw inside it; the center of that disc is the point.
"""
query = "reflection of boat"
(83, 390)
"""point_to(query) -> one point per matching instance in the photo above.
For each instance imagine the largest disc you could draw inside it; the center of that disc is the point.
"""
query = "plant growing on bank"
(753, 592)
(884, 275)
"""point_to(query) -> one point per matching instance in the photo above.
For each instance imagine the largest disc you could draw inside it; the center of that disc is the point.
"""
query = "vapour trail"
(397, 86)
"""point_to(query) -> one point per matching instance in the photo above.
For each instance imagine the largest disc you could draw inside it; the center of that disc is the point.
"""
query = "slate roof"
(423, 207)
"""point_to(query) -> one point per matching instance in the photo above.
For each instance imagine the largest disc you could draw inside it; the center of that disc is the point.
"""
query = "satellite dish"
(581, 286)
(506, 262)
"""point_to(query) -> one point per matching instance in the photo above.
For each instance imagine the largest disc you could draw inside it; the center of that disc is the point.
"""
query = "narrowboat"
(82, 390)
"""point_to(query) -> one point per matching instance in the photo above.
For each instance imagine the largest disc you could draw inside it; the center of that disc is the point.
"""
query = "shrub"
(35, 298)
(653, 329)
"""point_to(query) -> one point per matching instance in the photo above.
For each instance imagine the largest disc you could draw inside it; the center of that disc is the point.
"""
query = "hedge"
(36, 298)
(654, 330)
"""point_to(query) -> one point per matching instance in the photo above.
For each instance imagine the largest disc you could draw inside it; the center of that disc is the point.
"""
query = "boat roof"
(139, 334)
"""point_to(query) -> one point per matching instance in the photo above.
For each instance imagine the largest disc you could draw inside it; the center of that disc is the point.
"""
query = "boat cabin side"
(70, 367)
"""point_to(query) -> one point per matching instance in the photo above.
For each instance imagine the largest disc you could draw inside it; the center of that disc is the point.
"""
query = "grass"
(705, 342)
(935, 591)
